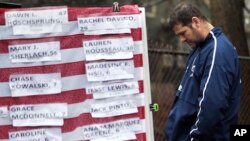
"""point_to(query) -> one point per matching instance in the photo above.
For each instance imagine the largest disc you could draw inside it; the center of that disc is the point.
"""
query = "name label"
(38, 115)
(35, 84)
(120, 48)
(109, 109)
(110, 129)
(36, 52)
(36, 21)
(113, 90)
(105, 23)
(112, 70)
(44, 134)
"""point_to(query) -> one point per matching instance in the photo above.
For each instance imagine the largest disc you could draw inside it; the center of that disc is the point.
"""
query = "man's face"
(187, 34)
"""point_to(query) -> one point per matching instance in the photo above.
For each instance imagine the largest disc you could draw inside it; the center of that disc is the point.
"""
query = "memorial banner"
(81, 72)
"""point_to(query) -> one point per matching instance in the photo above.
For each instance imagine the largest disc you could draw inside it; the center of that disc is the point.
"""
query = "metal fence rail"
(166, 69)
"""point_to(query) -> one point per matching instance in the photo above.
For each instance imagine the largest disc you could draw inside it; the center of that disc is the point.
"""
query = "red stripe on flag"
(70, 97)
(86, 119)
(140, 137)
(141, 86)
(136, 34)
(75, 12)
(138, 61)
(67, 69)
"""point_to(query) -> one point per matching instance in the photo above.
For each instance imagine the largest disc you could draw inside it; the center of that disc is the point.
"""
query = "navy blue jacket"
(208, 98)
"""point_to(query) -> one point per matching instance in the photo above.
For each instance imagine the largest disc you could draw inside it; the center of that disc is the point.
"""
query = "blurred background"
(167, 56)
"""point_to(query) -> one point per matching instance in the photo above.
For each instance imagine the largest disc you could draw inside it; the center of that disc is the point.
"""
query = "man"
(208, 98)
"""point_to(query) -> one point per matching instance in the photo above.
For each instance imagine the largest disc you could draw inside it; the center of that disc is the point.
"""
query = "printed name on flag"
(36, 21)
(115, 108)
(96, 131)
(35, 52)
(112, 70)
(38, 114)
(35, 84)
(105, 23)
(111, 48)
(42, 134)
(107, 90)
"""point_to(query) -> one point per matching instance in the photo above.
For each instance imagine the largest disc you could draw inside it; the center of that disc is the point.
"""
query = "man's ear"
(196, 22)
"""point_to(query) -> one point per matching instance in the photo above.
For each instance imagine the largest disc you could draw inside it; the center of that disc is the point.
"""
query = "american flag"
(73, 73)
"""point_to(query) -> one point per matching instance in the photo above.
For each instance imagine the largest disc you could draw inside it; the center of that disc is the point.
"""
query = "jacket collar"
(216, 31)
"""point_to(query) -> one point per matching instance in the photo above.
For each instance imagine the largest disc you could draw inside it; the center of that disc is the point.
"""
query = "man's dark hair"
(183, 13)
